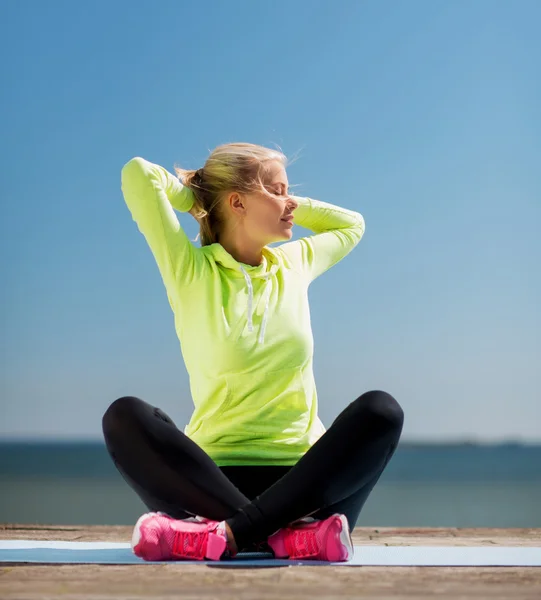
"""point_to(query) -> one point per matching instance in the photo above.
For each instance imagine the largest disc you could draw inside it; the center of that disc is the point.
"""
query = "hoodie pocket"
(273, 403)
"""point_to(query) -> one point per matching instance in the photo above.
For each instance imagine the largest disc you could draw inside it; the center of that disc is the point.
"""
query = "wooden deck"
(98, 582)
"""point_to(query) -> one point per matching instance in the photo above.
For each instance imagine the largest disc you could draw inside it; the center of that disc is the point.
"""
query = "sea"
(424, 485)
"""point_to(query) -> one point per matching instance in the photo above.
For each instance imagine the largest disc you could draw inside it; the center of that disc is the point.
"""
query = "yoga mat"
(120, 553)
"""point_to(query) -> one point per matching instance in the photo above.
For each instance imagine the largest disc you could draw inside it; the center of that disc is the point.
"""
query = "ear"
(237, 203)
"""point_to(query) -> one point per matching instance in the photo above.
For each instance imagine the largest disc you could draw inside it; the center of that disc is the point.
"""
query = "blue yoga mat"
(120, 553)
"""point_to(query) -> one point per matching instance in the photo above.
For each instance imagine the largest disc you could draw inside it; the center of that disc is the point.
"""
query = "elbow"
(132, 172)
(360, 225)
(135, 164)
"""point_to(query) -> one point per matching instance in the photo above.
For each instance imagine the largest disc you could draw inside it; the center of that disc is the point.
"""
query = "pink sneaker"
(158, 536)
(317, 540)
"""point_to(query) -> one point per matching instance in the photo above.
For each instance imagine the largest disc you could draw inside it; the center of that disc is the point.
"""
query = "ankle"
(230, 539)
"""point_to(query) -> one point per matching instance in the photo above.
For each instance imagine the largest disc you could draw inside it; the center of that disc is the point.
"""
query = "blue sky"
(425, 116)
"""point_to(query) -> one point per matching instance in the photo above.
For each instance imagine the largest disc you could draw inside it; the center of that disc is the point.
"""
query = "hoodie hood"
(273, 260)
(271, 263)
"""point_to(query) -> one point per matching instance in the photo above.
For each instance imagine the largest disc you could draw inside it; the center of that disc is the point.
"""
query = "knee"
(383, 407)
(118, 414)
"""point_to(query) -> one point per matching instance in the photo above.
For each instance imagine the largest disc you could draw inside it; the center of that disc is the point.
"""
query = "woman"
(254, 468)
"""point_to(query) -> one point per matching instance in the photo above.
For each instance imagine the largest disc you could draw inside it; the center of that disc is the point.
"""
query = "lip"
(288, 219)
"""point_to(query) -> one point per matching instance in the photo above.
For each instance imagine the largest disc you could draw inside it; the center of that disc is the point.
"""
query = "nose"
(293, 204)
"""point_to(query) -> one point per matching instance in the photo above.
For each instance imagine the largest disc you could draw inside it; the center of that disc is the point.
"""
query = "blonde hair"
(235, 167)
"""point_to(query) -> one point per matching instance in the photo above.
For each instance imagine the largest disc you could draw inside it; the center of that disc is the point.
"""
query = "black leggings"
(172, 474)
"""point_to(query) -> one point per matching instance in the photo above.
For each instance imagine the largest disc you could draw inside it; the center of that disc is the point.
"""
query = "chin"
(283, 237)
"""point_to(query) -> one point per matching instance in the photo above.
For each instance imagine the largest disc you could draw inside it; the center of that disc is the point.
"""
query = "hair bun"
(197, 178)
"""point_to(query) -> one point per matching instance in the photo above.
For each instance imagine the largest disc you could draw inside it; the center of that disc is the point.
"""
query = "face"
(266, 215)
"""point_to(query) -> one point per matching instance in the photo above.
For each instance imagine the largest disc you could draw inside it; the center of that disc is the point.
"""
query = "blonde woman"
(254, 468)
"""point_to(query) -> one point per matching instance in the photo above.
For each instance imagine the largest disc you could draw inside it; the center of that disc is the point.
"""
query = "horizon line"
(405, 442)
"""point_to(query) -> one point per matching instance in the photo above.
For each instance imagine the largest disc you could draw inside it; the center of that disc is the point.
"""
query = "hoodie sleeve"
(151, 193)
(337, 230)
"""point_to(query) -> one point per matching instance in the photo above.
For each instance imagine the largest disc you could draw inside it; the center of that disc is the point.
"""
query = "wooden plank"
(119, 582)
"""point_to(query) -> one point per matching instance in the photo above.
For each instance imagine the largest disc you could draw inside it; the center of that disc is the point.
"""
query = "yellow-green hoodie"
(244, 331)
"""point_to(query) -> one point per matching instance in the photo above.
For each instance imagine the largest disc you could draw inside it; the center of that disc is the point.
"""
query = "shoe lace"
(302, 544)
(189, 544)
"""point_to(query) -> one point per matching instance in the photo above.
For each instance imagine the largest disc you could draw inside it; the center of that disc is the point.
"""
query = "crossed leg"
(172, 474)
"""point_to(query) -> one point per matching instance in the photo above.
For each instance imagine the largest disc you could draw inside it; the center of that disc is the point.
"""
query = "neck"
(242, 249)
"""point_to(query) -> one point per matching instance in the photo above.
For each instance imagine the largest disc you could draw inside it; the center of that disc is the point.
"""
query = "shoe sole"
(345, 536)
(136, 536)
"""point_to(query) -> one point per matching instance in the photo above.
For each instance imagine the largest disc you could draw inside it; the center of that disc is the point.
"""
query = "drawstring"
(266, 312)
(248, 280)
(250, 297)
